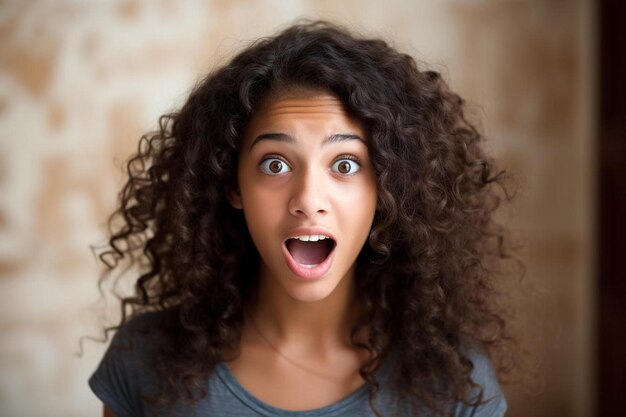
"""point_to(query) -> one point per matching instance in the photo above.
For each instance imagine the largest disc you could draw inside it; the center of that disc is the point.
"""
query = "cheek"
(267, 199)
(361, 197)
(262, 209)
(254, 193)
(358, 205)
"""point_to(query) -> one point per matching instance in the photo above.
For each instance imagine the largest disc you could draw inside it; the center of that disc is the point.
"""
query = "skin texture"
(303, 325)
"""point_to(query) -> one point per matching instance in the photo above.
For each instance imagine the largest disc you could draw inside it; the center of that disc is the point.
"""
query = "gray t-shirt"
(125, 373)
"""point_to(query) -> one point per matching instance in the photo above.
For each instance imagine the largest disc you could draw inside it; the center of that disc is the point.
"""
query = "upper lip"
(309, 231)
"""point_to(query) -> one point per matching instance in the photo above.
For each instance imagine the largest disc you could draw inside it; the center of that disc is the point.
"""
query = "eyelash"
(350, 157)
(339, 158)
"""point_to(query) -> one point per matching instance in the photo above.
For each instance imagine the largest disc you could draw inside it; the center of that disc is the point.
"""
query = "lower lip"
(313, 273)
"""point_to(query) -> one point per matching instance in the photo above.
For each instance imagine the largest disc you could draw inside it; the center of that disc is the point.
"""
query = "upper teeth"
(312, 238)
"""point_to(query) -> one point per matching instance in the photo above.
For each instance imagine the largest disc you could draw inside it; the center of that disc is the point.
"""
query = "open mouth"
(310, 253)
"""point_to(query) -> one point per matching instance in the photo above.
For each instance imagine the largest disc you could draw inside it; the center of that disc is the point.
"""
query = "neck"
(305, 327)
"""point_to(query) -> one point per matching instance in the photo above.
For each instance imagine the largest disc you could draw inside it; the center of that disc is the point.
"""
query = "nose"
(309, 196)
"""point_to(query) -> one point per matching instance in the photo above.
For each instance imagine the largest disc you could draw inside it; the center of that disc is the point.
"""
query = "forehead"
(321, 109)
(310, 103)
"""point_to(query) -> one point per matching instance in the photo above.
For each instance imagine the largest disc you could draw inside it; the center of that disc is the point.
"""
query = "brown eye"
(346, 166)
(274, 166)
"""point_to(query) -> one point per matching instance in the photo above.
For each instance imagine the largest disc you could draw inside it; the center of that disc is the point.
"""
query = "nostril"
(309, 213)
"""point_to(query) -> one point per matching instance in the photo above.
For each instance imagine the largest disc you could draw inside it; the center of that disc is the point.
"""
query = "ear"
(234, 197)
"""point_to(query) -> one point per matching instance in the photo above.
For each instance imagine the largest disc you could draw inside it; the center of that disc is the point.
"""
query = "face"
(308, 192)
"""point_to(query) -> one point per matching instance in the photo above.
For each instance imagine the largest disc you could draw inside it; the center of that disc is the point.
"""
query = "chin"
(309, 292)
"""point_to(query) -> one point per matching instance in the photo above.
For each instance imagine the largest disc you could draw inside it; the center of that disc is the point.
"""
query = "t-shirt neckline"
(228, 378)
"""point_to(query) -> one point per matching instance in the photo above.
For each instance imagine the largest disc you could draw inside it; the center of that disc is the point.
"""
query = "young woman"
(316, 236)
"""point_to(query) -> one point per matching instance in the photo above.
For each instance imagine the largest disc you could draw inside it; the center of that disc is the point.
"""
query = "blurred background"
(80, 81)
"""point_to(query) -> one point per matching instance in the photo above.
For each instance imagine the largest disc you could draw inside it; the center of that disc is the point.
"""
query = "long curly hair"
(426, 277)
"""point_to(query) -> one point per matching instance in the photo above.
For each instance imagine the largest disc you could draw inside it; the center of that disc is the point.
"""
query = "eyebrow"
(284, 137)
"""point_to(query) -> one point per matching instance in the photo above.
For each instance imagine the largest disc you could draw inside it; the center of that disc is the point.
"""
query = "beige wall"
(81, 80)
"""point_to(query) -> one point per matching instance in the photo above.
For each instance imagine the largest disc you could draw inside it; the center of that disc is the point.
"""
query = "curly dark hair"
(427, 274)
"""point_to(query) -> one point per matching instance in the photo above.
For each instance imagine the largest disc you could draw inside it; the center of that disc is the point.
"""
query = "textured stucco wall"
(81, 80)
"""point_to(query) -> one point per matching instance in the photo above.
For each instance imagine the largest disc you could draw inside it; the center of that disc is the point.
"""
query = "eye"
(347, 165)
(274, 166)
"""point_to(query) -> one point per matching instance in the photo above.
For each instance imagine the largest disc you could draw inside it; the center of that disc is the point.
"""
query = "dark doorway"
(611, 211)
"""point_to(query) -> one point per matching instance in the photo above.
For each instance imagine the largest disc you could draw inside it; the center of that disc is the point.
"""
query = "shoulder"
(485, 397)
(487, 390)
(135, 344)
(138, 331)
(125, 373)
(137, 340)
